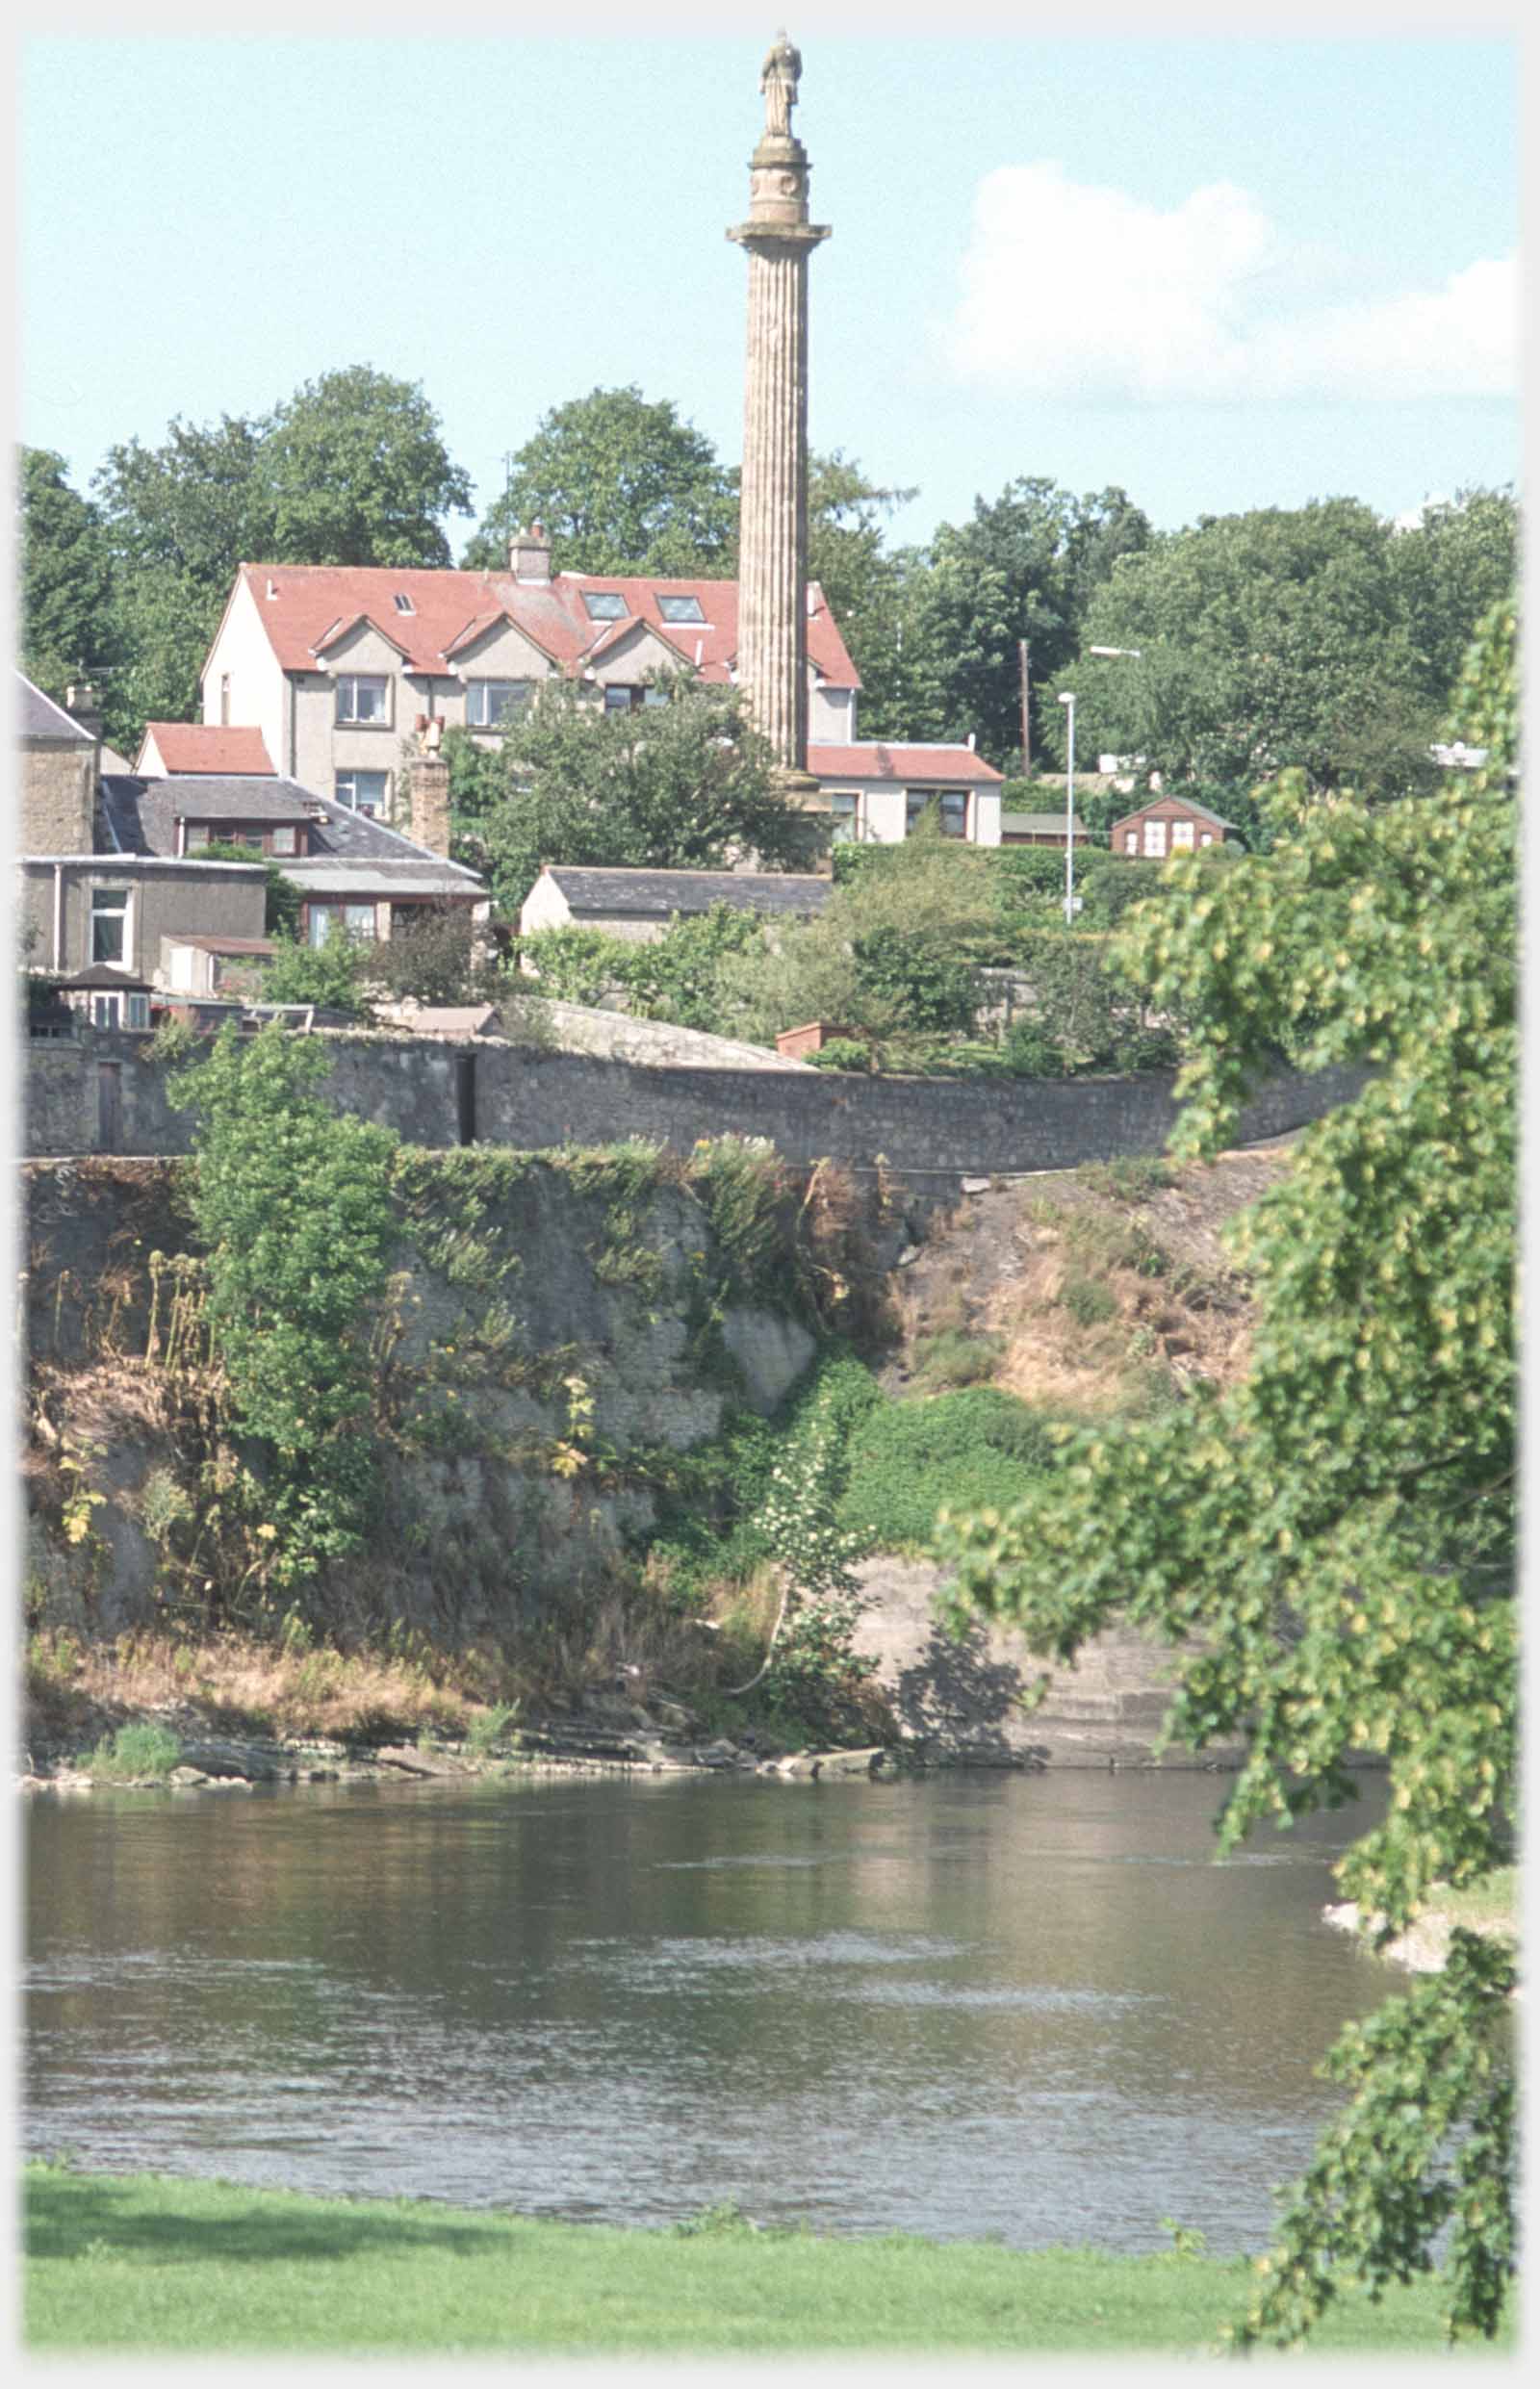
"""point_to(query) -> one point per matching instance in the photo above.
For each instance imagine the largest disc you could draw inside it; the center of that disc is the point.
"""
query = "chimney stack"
(530, 553)
(83, 700)
(428, 775)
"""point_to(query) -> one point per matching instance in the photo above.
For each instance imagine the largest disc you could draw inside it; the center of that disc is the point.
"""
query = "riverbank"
(140, 2262)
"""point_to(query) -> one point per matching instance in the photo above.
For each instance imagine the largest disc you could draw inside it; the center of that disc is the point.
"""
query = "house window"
(355, 920)
(403, 604)
(954, 814)
(1207, 838)
(197, 835)
(364, 698)
(109, 924)
(285, 838)
(138, 1010)
(1154, 837)
(491, 704)
(104, 1012)
(362, 792)
(842, 815)
(224, 700)
(1129, 841)
(1181, 835)
(918, 803)
(679, 608)
(604, 604)
(623, 698)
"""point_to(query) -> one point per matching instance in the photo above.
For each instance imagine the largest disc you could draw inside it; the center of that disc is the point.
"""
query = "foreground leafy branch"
(1332, 1542)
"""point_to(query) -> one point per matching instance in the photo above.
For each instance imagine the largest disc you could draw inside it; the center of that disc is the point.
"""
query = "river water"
(1025, 2005)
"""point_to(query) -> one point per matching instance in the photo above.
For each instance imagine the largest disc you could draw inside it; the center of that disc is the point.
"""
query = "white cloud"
(1074, 290)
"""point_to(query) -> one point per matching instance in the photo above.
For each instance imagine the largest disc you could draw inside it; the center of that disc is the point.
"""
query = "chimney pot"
(530, 553)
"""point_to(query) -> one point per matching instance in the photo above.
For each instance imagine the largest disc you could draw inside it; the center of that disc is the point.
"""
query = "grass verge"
(141, 2262)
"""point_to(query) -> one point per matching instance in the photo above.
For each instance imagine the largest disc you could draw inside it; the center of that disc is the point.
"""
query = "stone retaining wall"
(104, 1093)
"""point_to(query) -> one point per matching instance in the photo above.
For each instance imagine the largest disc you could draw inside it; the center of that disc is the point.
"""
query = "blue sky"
(1221, 270)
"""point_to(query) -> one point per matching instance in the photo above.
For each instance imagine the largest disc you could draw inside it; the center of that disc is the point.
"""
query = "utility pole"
(1026, 719)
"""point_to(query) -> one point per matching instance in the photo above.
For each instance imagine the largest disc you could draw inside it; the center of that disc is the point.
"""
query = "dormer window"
(679, 608)
(403, 604)
(604, 604)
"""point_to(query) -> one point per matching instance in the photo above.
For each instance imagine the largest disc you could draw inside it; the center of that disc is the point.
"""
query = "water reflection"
(1026, 2005)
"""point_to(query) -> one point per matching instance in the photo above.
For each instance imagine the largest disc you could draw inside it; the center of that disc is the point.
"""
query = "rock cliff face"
(550, 1338)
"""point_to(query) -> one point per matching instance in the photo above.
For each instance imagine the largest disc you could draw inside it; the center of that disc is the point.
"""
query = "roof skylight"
(604, 604)
(679, 608)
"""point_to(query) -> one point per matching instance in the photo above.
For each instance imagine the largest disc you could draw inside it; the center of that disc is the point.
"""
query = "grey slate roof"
(348, 847)
(1039, 825)
(655, 895)
(39, 717)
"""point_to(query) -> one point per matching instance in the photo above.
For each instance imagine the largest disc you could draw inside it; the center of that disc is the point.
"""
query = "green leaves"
(622, 485)
(1336, 1536)
(681, 784)
(292, 1203)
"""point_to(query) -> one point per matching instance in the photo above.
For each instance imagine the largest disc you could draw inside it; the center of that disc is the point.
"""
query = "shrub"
(1129, 1178)
(133, 1752)
(955, 1357)
(1087, 1303)
(979, 1448)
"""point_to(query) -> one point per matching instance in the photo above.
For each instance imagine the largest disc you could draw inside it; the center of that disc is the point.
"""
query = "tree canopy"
(358, 473)
(1336, 1535)
(1025, 566)
(65, 576)
(1318, 638)
(622, 485)
(681, 784)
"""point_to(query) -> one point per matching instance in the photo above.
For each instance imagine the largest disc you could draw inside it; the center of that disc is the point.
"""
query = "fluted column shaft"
(773, 503)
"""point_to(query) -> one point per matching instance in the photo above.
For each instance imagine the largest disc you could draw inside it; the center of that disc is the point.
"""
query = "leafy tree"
(292, 1204)
(1447, 571)
(863, 583)
(358, 473)
(1026, 565)
(891, 954)
(431, 954)
(682, 784)
(1268, 641)
(195, 506)
(161, 626)
(622, 485)
(65, 576)
(331, 974)
(1336, 1535)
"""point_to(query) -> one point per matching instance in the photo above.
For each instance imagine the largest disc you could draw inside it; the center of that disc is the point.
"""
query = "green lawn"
(139, 2262)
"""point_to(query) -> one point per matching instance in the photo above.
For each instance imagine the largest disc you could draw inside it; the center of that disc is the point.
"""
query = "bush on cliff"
(292, 1206)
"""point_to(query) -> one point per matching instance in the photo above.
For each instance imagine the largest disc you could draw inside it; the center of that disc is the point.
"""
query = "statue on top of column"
(778, 81)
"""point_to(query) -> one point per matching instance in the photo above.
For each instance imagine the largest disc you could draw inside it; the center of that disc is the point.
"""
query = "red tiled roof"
(310, 599)
(876, 759)
(207, 747)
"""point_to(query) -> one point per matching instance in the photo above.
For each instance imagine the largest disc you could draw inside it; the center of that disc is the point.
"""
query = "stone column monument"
(773, 501)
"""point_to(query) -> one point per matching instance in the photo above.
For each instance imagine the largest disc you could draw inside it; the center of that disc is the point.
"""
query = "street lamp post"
(1067, 698)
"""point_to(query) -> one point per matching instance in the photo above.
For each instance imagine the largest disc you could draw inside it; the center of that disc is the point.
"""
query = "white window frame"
(1154, 841)
(1206, 837)
(955, 798)
(1182, 840)
(348, 685)
(485, 711)
(1129, 841)
(136, 1010)
(119, 910)
(284, 830)
(844, 814)
(348, 796)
